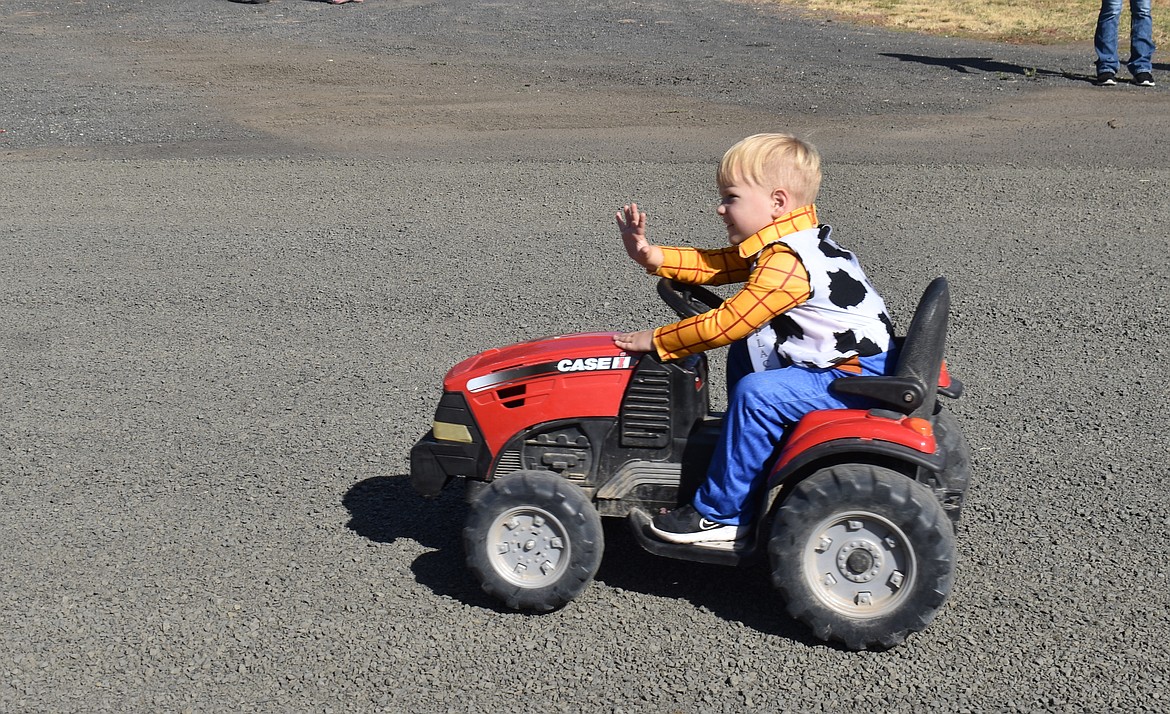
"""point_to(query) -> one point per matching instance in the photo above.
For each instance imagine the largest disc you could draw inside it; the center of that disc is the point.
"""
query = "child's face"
(746, 208)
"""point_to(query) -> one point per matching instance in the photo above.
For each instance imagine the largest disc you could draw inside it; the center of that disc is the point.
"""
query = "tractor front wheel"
(863, 555)
(533, 540)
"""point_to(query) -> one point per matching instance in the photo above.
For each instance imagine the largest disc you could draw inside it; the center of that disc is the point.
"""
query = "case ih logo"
(581, 364)
(592, 364)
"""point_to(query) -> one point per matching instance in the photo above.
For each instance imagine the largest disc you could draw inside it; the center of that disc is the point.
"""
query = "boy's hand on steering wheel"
(632, 224)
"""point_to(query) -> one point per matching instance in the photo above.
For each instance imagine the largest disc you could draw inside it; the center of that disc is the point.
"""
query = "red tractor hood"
(570, 377)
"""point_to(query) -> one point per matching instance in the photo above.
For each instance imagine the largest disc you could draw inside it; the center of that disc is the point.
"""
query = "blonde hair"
(774, 161)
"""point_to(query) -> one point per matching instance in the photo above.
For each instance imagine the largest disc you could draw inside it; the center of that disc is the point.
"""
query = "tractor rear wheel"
(863, 555)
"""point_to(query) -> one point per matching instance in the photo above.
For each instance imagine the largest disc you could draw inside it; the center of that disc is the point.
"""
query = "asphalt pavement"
(241, 244)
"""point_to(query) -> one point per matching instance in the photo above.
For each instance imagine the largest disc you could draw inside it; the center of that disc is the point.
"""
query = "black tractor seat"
(913, 387)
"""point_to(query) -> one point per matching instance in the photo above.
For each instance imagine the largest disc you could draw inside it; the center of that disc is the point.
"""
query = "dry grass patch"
(1023, 21)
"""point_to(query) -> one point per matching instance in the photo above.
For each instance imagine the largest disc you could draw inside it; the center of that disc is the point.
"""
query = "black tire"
(533, 540)
(957, 476)
(862, 555)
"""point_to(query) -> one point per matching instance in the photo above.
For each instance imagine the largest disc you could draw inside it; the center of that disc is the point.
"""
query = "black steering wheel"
(687, 300)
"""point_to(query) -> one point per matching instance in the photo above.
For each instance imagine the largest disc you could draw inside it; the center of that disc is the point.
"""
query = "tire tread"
(918, 514)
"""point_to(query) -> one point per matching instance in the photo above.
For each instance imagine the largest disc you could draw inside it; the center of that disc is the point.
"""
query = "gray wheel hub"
(527, 546)
(859, 564)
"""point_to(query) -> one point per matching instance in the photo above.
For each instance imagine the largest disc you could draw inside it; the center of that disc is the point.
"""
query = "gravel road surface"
(241, 244)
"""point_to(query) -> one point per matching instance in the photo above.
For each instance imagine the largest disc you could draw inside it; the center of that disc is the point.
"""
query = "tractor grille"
(645, 415)
(508, 463)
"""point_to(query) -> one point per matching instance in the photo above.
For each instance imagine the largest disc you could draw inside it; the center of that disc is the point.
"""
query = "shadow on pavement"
(385, 509)
(743, 594)
(987, 65)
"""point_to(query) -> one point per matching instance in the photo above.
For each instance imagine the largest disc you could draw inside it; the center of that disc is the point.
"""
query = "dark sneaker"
(1143, 79)
(685, 525)
(1106, 79)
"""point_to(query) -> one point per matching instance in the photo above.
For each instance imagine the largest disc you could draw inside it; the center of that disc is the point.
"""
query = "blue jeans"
(1141, 37)
(761, 407)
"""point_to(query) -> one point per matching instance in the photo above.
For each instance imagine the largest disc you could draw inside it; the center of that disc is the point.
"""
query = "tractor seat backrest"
(912, 388)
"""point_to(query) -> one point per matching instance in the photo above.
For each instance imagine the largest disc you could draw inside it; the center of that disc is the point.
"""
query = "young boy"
(805, 316)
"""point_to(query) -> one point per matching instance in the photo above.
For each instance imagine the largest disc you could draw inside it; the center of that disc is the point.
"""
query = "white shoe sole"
(722, 534)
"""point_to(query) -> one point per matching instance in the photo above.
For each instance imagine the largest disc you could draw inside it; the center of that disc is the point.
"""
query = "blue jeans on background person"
(1141, 37)
(761, 406)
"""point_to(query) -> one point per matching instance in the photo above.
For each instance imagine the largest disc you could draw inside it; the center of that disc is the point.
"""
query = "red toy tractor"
(857, 518)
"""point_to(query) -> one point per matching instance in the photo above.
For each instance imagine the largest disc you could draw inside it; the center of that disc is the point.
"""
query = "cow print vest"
(845, 317)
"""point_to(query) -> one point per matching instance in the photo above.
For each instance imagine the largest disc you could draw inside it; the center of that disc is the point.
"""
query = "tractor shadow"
(736, 594)
(385, 509)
